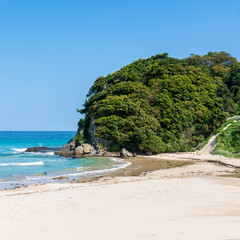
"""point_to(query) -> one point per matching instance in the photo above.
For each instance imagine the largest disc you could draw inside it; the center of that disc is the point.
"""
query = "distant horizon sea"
(20, 169)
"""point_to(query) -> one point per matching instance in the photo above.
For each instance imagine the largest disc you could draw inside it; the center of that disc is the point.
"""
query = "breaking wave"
(22, 164)
(19, 150)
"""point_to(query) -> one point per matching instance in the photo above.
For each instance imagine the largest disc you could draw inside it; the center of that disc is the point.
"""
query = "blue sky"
(51, 51)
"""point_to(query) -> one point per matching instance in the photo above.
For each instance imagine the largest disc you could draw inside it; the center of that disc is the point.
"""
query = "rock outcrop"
(86, 150)
(71, 149)
(79, 151)
(125, 154)
(83, 149)
(68, 150)
(42, 149)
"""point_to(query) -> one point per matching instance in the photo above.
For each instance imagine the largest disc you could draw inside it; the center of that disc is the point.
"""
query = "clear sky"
(51, 51)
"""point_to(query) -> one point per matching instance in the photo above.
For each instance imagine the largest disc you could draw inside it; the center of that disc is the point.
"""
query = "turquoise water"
(20, 168)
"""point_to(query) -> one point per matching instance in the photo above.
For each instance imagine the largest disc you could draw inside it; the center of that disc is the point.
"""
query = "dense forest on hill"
(161, 104)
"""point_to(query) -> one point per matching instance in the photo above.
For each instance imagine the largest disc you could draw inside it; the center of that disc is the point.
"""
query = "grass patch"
(228, 142)
(220, 129)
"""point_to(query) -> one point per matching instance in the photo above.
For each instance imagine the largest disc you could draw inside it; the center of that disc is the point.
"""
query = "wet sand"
(140, 166)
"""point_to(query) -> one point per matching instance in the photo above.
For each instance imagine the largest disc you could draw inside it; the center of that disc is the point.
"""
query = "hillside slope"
(161, 104)
(228, 142)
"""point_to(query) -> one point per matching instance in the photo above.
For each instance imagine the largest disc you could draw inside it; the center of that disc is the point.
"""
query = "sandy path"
(205, 154)
(211, 144)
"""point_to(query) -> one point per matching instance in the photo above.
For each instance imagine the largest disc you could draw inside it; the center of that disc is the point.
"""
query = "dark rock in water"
(68, 150)
(125, 154)
(42, 149)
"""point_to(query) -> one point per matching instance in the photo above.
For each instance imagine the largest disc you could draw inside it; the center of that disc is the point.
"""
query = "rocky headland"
(72, 149)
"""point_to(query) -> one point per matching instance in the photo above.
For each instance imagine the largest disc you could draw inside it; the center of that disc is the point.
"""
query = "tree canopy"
(162, 104)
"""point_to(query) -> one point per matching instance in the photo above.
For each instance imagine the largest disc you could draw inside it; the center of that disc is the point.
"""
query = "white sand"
(171, 204)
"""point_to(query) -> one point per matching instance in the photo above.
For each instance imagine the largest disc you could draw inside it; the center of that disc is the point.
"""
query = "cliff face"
(94, 139)
(161, 103)
(68, 150)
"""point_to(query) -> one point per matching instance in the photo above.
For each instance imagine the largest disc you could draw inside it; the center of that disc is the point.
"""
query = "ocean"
(20, 169)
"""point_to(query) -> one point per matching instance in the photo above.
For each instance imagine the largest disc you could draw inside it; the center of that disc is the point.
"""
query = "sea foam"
(19, 150)
(40, 153)
(22, 164)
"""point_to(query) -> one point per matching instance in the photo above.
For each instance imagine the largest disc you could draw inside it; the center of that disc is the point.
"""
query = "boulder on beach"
(83, 149)
(79, 151)
(125, 154)
(87, 148)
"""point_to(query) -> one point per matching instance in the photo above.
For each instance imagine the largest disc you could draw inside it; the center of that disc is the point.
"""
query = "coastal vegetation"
(228, 141)
(161, 104)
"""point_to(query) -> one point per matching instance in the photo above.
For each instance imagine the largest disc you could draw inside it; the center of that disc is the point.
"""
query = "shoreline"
(130, 167)
(143, 165)
(64, 176)
(140, 168)
(187, 202)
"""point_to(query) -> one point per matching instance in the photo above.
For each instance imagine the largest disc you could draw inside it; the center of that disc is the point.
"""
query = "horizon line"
(38, 130)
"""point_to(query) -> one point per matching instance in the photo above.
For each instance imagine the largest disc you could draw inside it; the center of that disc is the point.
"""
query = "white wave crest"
(49, 153)
(40, 153)
(97, 172)
(19, 150)
(80, 174)
(22, 164)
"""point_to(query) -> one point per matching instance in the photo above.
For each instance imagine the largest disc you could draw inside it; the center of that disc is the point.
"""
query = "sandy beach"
(120, 120)
(188, 202)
